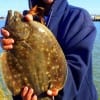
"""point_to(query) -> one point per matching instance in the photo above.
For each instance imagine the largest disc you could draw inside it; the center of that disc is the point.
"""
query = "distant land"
(94, 17)
(2, 17)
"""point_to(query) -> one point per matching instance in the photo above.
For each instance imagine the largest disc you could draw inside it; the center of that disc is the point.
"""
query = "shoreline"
(2, 19)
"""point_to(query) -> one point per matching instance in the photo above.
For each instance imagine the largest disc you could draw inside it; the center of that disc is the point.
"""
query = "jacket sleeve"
(77, 43)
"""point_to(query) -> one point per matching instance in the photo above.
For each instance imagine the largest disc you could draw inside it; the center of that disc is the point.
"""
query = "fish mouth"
(12, 14)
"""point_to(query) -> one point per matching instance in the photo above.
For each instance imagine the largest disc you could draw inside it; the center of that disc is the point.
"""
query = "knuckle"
(7, 47)
(4, 32)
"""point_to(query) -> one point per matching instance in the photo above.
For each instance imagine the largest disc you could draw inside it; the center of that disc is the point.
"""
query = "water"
(96, 56)
(1, 25)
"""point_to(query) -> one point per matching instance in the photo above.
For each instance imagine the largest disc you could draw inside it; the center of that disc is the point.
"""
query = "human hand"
(7, 43)
(28, 93)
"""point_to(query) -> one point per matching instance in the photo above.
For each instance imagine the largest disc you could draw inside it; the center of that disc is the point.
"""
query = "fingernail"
(29, 17)
(31, 90)
(12, 40)
(34, 97)
(7, 33)
(11, 46)
(49, 92)
(25, 88)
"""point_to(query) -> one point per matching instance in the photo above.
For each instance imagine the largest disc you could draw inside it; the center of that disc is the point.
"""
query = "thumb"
(28, 17)
(52, 92)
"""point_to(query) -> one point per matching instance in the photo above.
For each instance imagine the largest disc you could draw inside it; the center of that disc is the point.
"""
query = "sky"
(91, 5)
(18, 5)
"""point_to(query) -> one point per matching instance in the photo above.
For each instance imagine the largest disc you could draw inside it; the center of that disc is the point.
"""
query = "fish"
(36, 60)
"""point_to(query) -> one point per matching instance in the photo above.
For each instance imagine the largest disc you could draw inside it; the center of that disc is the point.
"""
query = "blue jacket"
(75, 32)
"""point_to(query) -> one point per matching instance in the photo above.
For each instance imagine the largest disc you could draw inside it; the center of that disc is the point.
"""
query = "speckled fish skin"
(36, 59)
(5, 94)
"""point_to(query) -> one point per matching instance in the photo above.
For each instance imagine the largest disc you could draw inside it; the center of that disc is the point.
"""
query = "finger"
(28, 17)
(4, 32)
(53, 92)
(7, 41)
(34, 97)
(29, 95)
(7, 47)
(24, 92)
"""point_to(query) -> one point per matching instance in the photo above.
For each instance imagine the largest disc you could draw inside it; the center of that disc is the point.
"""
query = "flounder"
(36, 59)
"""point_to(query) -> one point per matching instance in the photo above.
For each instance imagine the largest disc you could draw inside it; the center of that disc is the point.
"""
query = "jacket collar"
(58, 5)
(56, 11)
